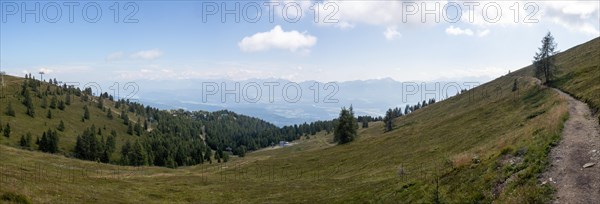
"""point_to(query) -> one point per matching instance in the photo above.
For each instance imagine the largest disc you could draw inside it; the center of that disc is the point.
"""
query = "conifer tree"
(6, 131)
(61, 126)
(86, 113)
(345, 130)
(543, 60)
(208, 155)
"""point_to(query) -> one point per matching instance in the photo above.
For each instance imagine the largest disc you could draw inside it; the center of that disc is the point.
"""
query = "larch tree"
(543, 61)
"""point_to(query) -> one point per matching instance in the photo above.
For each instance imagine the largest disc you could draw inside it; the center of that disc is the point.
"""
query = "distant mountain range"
(265, 98)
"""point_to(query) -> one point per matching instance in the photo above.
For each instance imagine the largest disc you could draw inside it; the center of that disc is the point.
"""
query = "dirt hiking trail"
(570, 171)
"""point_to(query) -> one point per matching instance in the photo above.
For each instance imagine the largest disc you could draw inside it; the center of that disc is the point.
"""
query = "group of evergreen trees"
(134, 154)
(25, 141)
(90, 147)
(48, 142)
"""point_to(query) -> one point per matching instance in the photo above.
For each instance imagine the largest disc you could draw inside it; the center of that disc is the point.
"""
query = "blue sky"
(367, 40)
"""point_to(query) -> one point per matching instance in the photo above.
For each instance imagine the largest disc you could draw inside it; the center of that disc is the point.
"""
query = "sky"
(326, 41)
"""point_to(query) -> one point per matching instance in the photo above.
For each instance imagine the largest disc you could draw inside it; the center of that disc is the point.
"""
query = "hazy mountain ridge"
(369, 97)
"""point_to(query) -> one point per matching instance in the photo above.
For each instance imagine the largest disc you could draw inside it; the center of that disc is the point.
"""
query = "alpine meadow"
(300, 102)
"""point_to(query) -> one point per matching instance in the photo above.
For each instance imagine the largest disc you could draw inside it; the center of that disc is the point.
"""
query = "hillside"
(109, 129)
(578, 72)
(21, 123)
(488, 144)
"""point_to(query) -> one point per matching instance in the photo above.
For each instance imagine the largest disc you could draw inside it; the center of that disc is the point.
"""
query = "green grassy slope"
(578, 72)
(467, 141)
(487, 144)
(22, 123)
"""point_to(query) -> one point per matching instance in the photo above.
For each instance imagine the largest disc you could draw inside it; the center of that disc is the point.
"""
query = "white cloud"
(391, 33)
(577, 16)
(278, 39)
(468, 32)
(147, 54)
(458, 31)
(368, 12)
(115, 56)
(580, 9)
(142, 54)
(586, 28)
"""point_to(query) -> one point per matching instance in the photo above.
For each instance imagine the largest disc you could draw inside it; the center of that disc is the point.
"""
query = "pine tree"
(543, 60)
(28, 102)
(138, 128)
(345, 130)
(61, 126)
(22, 141)
(125, 149)
(25, 141)
(208, 155)
(86, 112)
(388, 119)
(218, 155)
(49, 142)
(49, 114)
(43, 143)
(110, 144)
(52, 141)
(61, 105)
(125, 117)
(87, 146)
(137, 156)
(515, 87)
(53, 102)
(6, 130)
(109, 114)
(130, 129)
(68, 99)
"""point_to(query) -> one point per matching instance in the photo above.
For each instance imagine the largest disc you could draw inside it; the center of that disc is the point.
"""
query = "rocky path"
(575, 165)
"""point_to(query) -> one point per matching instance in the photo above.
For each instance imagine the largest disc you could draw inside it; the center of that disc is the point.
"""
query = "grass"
(466, 159)
(489, 144)
(578, 73)
(21, 123)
